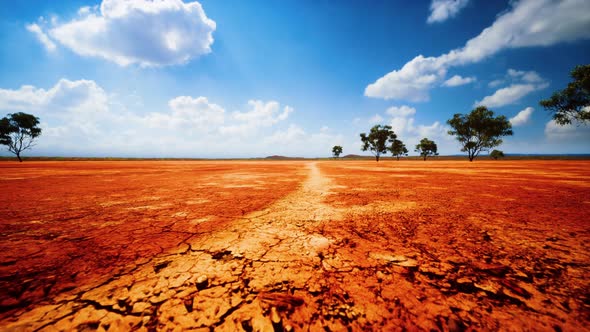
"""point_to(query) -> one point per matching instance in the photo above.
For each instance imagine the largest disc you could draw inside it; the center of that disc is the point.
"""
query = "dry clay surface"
(445, 246)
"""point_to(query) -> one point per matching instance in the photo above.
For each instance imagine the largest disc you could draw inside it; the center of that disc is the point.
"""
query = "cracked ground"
(303, 245)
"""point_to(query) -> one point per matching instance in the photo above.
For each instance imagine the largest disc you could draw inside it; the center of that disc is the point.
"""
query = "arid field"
(295, 245)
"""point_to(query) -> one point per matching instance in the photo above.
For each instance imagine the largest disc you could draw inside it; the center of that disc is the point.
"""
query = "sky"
(226, 79)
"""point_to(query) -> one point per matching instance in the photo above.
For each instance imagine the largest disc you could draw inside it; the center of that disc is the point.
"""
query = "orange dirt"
(334, 245)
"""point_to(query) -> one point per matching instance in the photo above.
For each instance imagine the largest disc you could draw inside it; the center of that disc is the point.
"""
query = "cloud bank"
(79, 118)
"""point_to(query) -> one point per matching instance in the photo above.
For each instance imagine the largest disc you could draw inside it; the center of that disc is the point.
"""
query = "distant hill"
(354, 156)
(276, 157)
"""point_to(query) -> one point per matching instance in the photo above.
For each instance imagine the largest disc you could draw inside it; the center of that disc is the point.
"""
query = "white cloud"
(376, 119)
(65, 95)
(441, 10)
(144, 32)
(458, 80)
(41, 36)
(411, 82)
(526, 76)
(293, 134)
(506, 96)
(261, 114)
(79, 118)
(576, 132)
(496, 83)
(523, 83)
(528, 23)
(188, 113)
(403, 124)
(522, 117)
(401, 111)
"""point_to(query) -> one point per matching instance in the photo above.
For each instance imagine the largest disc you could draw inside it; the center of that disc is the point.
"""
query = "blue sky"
(254, 78)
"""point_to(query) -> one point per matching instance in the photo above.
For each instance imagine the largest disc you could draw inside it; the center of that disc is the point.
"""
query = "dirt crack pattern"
(350, 250)
(253, 276)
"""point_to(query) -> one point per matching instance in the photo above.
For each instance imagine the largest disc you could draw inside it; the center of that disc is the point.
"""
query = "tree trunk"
(424, 157)
(397, 158)
(18, 156)
(377, 158)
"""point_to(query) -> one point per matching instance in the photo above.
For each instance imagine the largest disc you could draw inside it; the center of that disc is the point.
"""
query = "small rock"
(406, 263)
(275, 318)
(457, 260)
(202, 282)
(314, 289)
(247, 325)
(188, 304)
(380, 276)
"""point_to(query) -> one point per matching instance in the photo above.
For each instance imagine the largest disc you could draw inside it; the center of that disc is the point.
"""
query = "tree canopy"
(377, 140)
(572, 104)
(18, 131)
(479, 130)
(496, 154)
(427, 148)
(336, 151)
(398, 148)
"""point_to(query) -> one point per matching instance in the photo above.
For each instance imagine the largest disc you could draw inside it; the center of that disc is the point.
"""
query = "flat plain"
(295, 245)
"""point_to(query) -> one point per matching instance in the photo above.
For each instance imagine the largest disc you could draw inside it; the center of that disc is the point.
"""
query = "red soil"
(334, 245)
(66, 224)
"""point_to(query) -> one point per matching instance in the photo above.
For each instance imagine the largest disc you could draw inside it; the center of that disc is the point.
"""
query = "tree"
(18, 131)
(427, 148)
(572, 104)
(398, 148)
(377, 140)
(495, 154)
(336, 151)
(479, 130)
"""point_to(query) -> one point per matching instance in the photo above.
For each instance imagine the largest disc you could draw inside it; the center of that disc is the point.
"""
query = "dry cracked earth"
(350, 246)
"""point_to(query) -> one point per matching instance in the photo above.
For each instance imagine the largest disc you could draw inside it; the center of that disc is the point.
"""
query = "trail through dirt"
(244, 277)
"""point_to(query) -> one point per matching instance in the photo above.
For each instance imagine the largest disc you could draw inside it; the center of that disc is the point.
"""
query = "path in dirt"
(254, 274)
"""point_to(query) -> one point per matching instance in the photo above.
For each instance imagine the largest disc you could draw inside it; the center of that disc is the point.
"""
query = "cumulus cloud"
(569, 133)
(496, 83)
(376, 119)
(81, 118)
(441, 10)
(401, 111)
(526, 76)
(41, 37)
(458, 80)
(522, 117)
(528, 23)
(404, 125)
(144, 32)
(65, 95)
(506, 96)
(261, 114)
(188, 113)
(524, 82)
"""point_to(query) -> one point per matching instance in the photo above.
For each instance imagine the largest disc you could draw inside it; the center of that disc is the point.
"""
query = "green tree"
(398, 148)
(18, 131)
(479, 130)
(495, 154)
(377, 140)
(336, 151)
(427, 148)
(572, 104)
